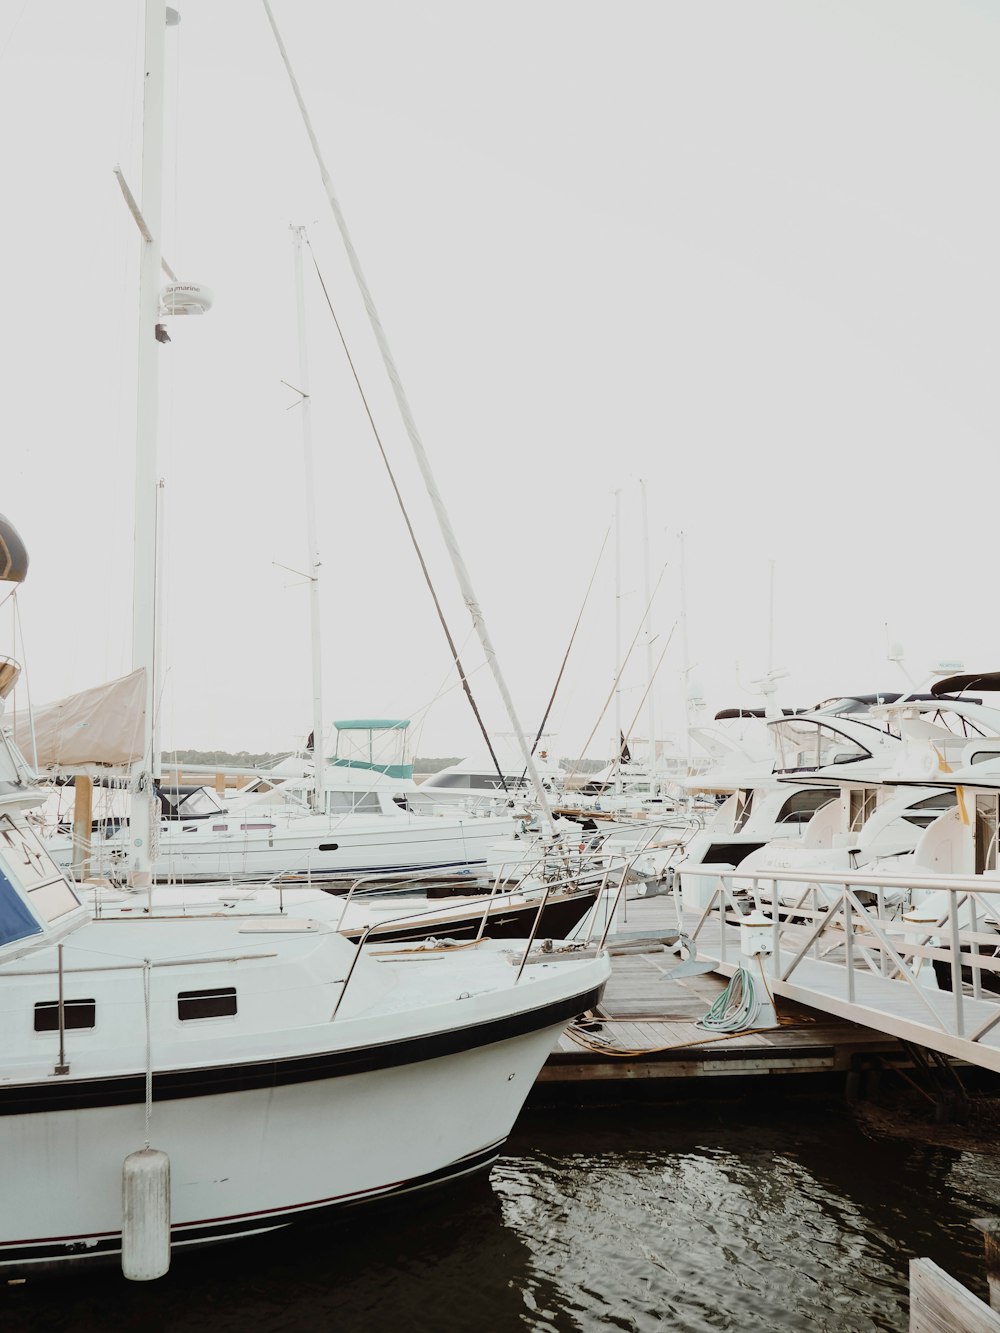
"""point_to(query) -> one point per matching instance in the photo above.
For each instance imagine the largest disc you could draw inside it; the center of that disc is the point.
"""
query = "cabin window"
(474, 781)
(26, 863)
(801, 807)
(923, 813)
(353, 803)
(220, 1003)
(16, 921)
(986, 833)
(862, 801)
(76, 1014)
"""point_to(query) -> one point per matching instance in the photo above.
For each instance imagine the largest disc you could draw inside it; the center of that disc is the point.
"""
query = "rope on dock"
(731, 1015)
(601, 1046)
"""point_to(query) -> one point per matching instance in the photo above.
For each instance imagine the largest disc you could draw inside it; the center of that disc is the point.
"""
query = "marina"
(628, 957)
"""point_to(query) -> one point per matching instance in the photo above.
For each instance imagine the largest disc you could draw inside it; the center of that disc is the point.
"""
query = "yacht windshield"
(854, 704)
(810, 745)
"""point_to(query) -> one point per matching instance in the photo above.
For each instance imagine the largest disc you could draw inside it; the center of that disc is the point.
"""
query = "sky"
(739, 258)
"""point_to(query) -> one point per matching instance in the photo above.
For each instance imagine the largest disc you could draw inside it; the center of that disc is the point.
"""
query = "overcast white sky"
(746, 251)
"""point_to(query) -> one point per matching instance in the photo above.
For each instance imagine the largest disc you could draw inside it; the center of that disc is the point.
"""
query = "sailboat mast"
(305, 406)
(685, 657)
(619, 734)
(650, 668)
(417, 445)
(144, 819)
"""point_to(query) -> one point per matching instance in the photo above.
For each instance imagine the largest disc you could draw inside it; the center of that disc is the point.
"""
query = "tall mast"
(650, 669)
(619, 734)
(145, 648)
(685, 657)
(305, 406)
(416, 444)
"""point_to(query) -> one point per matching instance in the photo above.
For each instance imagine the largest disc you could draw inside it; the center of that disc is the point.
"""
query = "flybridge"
(376, 744)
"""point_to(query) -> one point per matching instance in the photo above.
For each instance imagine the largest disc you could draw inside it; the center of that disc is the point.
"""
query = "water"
(631, 1219)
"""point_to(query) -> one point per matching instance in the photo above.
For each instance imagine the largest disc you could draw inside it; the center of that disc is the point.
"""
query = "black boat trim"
(106, 1245)
(62, 1093)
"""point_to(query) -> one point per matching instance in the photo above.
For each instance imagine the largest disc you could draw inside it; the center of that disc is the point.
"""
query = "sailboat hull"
(317, 846)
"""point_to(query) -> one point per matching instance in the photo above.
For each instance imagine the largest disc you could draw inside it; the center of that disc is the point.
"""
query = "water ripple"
(624, 1221)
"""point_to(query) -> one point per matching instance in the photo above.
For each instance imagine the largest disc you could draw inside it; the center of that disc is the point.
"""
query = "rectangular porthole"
(76, 1014)
(219, 1003)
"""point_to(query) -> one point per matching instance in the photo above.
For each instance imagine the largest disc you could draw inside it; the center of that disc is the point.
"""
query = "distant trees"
(224, 758)
(247, 759)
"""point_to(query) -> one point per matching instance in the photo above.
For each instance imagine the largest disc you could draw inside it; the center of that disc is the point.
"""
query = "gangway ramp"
(839, 945)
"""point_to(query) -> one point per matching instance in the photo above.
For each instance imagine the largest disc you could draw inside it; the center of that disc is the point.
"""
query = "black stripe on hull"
(63, 1094)
(505, 923)
(75, 1252)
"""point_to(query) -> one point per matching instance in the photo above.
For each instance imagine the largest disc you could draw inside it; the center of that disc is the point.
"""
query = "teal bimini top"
(373, 724)
(391, 770)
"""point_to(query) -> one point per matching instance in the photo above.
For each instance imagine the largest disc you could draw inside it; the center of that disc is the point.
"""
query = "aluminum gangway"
(847, 943)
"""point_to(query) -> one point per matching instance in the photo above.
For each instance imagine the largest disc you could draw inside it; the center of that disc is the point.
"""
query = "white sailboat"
(369, 821)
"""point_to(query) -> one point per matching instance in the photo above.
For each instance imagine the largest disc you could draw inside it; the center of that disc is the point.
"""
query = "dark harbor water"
(627, 1219)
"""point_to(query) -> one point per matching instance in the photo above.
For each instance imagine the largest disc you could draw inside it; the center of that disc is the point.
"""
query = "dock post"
(755, 943)
(83, 817)
(990, 1227)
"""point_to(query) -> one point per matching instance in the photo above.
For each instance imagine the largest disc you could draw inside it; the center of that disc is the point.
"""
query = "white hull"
(325, 847)
(252, 1160)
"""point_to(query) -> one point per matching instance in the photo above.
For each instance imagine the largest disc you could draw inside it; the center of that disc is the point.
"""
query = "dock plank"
(650, 1019)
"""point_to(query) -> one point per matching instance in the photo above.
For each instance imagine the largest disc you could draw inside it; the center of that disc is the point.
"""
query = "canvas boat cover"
(101, 727)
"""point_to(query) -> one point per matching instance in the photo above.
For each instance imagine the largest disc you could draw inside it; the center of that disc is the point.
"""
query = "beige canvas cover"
(101, 726)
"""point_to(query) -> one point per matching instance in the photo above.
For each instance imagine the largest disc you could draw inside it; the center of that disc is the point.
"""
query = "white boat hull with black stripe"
(270, 1110)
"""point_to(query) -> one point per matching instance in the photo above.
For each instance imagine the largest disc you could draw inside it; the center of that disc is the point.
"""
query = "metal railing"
(873, 936)
(545, 893)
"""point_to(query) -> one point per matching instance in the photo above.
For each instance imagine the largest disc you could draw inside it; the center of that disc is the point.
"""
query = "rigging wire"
(555, 688)
(621, 670)
(419, 713)
(19, 635)
(416, 443)
(635, 719)
(409, 526)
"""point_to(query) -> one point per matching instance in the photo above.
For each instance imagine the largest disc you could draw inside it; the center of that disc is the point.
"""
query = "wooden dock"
(646, 1031)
